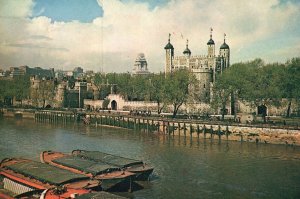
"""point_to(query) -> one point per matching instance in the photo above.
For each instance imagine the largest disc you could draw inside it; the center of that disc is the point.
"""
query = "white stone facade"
(204, 67)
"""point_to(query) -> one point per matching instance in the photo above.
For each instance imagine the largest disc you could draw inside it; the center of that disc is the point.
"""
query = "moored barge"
(142, 170)
(111, 177)
(22, 178)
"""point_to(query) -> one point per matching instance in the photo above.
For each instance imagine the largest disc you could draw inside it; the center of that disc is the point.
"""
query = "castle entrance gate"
(114, 105)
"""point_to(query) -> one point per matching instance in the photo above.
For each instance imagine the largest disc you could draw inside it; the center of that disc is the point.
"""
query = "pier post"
(227, 132)
(173, 129)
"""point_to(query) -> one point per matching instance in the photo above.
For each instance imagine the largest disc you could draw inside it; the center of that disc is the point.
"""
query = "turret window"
(203, 85)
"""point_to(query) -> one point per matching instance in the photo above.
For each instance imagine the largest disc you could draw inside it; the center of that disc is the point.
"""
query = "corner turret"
(169, 56)
(225, 53)
(211, 46)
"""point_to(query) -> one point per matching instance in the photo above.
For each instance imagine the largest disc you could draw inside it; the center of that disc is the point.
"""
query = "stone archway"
(262, 110)
(114, 105)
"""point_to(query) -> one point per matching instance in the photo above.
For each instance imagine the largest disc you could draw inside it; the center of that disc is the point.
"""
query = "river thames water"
(184, 168)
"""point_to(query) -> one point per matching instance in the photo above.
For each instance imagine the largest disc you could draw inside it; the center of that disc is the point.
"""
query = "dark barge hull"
(111, 177)
(141, 170)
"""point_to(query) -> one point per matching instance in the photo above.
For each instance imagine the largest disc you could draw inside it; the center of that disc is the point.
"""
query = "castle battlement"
(201, 70)
(191, 57)
(198, 56)
(204, 67)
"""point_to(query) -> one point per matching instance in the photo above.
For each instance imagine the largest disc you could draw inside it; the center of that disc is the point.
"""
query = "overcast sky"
(107, 35)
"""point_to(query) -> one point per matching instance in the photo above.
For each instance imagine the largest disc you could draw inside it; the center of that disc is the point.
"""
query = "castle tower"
(187, 53)
(225, 53)
(169, 56)
(61, 95)
(211, 46)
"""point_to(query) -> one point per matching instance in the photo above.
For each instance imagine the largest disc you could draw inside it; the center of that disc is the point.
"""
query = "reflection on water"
(184, 167)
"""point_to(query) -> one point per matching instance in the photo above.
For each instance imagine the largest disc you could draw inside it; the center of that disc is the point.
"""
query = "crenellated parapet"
(204, 67)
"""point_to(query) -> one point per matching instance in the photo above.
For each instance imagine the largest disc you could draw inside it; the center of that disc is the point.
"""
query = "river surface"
(184, 167)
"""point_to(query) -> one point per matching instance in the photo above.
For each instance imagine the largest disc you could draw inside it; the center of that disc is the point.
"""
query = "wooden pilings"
(54, 117)
(162, 125)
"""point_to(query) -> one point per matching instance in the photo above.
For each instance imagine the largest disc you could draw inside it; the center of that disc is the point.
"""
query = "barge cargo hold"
(142, 170)
(111, 177)
(22, 178)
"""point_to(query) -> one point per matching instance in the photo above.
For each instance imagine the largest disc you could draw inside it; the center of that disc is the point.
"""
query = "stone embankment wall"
(18, 113)
(202, 129)
(192, 128)
(245, 134)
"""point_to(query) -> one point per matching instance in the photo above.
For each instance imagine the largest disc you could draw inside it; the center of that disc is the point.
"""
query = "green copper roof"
(46, 173)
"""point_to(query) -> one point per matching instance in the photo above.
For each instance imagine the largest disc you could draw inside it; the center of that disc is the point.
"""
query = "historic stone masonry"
(205, 67)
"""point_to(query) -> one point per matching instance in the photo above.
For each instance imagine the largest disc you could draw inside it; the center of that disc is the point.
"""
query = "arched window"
(203, 85)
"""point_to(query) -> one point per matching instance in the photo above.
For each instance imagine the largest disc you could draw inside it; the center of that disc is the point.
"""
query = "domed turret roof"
(224, 46)
(187, 50)
(211, 42)
(169, 45)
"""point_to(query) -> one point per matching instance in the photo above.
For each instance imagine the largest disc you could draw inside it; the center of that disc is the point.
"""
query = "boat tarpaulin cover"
(99, 195)
(109, 158)
(46, 173)
(85, 165)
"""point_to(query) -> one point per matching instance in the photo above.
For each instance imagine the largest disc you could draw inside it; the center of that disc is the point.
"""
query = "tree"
(21, 87)
(157, 86)
(221, 96)
(3, 90)
(246, 81)
(177, 88)
(290, 79)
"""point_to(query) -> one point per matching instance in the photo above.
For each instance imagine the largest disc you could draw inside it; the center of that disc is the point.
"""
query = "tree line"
(259, 83)
(254, 82)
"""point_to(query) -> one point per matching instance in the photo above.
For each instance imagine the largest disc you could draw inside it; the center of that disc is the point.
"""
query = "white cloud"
(16, 8)
(126, 29)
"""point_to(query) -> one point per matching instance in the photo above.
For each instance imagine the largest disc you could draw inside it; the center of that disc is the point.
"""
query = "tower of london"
(204, 67)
